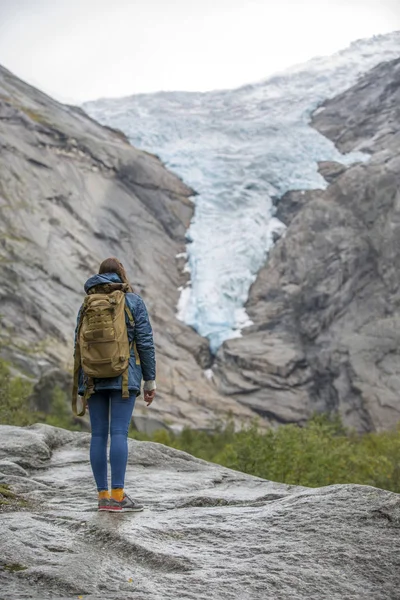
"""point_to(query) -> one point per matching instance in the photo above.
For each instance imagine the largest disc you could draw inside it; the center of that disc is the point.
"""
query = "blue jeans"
(108, 408)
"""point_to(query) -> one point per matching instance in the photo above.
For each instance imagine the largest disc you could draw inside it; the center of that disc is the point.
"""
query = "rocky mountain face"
(325, 307)
(206, 533)
(325, 333)
(71, 194)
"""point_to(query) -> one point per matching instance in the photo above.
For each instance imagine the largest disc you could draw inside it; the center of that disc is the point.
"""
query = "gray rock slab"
(8, 467)
(206, 532)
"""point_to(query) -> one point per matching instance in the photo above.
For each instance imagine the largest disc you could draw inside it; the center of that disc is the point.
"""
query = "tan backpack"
(102, 346)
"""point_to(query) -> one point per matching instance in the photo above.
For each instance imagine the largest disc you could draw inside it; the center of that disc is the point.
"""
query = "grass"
(9, 500)
(321, 453)
(14, 567)
(5, 491)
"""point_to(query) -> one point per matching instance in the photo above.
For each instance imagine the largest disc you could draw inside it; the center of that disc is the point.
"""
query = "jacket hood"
(102, 280)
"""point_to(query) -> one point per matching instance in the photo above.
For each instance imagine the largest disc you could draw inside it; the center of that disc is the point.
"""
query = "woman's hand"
(149, 396)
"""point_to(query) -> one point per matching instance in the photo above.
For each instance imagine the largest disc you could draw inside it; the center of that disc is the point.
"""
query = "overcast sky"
(80, 50)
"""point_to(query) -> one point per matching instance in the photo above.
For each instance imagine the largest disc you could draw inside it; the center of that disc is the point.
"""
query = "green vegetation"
(321, 453)
(15, 408)
(33, 115)
(5, 492)
(9, 500)
(14, 393)
(14, 567)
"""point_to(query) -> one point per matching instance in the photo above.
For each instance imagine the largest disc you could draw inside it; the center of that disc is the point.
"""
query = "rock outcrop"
(72, 193)
(206, 533)
(326, 333)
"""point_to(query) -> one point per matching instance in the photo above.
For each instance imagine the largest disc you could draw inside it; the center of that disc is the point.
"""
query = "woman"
(110, 409)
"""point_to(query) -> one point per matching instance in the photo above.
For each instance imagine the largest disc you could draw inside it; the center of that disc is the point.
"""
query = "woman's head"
(113, 265)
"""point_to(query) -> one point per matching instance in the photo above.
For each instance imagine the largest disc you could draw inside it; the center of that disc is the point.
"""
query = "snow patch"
(209, 374)
(183, 302)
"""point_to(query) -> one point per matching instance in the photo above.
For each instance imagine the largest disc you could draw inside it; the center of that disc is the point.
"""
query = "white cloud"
(89, 48)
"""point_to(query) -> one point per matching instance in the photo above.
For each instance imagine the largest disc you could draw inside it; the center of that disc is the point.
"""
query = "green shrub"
(321, 453)
(15, 405)
(14, 394)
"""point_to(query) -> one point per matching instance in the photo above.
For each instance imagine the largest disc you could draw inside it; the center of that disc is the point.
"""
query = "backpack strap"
(135, 350)
(128, 312)
(88, 391)
(77, 366)
(125, 374)
(125, 380)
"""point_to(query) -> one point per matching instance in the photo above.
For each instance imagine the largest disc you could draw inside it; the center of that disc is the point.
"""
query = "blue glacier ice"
(240, 149)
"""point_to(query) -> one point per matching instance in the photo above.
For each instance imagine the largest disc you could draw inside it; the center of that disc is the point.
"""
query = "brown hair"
(113, 265)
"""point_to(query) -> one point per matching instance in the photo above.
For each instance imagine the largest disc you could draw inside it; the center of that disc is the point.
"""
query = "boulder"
(206, 531)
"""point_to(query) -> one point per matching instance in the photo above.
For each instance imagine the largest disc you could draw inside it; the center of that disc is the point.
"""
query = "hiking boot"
(126, 505)
(104, 504)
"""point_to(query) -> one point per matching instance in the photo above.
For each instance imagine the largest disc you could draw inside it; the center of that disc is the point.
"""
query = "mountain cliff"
(325, 308)
(72, 193)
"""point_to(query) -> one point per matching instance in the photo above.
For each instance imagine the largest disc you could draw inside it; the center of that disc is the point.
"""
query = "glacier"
(240, 150)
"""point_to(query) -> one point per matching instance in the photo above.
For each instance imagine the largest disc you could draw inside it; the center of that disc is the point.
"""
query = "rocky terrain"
(325, 307)
(206, 532)
(326, 333)
(72, 193)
